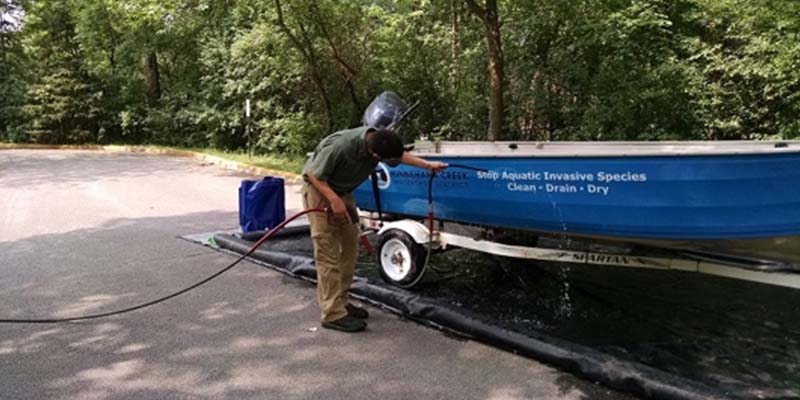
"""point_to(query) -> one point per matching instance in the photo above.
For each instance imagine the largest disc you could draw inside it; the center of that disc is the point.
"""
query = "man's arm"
(410, 159)
(337, 204)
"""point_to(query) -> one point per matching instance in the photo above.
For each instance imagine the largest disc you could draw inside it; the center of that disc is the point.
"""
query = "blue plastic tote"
(261, 204)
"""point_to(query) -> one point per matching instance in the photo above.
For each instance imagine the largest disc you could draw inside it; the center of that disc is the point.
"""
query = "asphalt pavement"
(88, 231)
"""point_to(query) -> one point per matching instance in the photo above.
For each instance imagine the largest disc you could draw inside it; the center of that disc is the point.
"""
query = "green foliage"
(749, 60)
(13, 76)
(63, 103)
(178, 72)
(601, 71)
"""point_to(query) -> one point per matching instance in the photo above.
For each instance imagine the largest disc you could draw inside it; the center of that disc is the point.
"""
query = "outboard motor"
(387, 111)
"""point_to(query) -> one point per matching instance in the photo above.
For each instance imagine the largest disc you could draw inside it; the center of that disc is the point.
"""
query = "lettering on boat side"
(384, 180)
(446, 179)
(561, 188)
(521, 187)
(594, 183)
(593, 258)
(597, 189)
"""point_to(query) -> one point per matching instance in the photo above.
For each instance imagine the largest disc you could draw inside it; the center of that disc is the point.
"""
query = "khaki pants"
(335, 253)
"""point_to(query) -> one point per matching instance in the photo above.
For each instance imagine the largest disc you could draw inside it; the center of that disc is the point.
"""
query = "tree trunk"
(491, 22)
(3, 111)
(112, 51)
(112, 61)
(455, 45)
(497, 75)
(152, 77)
(3, 47)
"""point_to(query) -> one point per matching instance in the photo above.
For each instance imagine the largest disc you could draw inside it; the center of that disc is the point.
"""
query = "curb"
(290, 177)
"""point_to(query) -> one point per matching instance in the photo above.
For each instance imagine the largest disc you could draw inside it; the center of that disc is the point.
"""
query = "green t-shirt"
(341, 160)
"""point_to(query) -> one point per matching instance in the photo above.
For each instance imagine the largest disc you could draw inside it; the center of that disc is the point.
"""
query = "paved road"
(84, 232)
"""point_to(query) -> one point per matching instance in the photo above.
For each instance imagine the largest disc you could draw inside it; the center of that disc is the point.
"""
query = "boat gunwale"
(523, 149)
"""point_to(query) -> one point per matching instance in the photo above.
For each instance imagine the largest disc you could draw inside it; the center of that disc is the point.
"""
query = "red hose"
(280, 226)
(261, 241)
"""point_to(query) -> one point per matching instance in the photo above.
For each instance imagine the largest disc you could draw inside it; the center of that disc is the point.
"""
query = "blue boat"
(735, 198)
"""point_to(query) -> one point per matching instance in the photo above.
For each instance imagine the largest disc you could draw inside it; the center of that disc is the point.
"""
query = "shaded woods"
(178, 72)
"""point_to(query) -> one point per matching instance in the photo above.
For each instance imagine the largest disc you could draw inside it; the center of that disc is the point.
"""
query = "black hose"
(462, 166)
(430, 236)
(376, 193)
(176, 294)
(430, 224)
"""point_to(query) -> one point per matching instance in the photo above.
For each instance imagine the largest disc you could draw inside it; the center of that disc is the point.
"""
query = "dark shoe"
(346, 324)
(356, 312)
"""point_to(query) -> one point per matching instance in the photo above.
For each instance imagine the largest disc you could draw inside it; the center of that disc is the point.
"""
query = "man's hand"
(339, 208)
(436, 166)
(433, 166)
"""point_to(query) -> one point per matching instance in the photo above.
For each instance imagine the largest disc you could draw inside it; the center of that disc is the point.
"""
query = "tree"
(305, 46)
(347, 72)
(12, 80)
(177, 72)
(489, 16)
(63, 99)
(748, 61)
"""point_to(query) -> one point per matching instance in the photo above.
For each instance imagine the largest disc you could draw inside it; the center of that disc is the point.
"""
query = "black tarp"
(583, 361)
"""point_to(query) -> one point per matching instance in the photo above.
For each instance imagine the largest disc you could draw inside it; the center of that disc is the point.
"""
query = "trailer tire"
(400, 258)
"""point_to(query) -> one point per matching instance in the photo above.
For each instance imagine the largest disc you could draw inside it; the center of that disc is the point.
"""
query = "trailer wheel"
(400, 258)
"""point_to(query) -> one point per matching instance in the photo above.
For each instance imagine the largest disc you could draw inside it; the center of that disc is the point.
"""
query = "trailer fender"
(416, 230)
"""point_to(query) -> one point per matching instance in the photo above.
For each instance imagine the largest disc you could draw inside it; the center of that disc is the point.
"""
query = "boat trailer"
(404, 247)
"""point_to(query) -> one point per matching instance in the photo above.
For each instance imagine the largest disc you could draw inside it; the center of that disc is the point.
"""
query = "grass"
(276, 162)
(293, 164)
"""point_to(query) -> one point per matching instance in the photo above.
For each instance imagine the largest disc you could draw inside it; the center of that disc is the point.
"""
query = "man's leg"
(326, 257)
(349, 255)
(326, 236)
(329, 277)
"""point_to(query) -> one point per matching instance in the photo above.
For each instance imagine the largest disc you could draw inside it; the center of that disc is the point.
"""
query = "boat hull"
(683, 198)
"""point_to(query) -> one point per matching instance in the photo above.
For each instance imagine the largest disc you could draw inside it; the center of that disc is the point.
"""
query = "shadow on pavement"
(244, 335)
